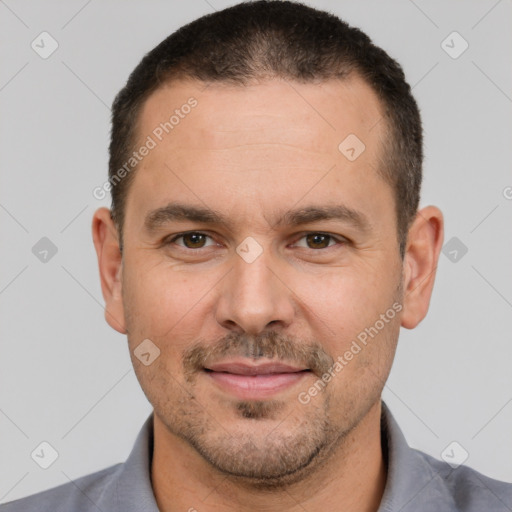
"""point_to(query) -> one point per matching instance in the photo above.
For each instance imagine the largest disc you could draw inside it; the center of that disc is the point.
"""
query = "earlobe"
(106, 243)
(424, 245)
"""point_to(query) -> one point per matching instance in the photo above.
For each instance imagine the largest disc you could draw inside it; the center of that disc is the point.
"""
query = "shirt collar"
(412, 483)
(133, 490)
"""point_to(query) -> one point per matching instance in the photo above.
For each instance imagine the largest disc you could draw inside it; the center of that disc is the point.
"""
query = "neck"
(353, 476)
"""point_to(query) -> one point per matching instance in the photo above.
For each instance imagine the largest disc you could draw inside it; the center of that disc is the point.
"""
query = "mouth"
(248, 381)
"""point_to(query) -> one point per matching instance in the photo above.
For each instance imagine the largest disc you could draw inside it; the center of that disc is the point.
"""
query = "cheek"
(159, 299)
(341, 297)
(341, 305)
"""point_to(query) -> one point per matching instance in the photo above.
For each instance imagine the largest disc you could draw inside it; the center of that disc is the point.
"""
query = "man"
(263, 250)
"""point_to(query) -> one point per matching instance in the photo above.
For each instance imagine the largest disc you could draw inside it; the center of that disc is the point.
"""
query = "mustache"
(271, 345)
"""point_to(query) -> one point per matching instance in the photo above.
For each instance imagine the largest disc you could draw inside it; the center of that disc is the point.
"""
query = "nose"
(254, 297)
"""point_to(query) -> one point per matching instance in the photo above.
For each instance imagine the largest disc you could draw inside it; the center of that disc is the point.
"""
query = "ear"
(106, 242)
(424, 244)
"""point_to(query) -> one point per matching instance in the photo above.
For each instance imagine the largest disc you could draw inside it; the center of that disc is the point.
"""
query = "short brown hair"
(276, 39)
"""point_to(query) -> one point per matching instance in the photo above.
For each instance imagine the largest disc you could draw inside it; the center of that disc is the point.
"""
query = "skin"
(252, 154)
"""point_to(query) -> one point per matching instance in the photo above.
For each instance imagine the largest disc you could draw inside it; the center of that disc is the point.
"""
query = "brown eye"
(318, 240)
(194, 240)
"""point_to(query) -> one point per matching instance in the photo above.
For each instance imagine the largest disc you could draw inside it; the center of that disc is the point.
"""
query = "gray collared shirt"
(415, 482)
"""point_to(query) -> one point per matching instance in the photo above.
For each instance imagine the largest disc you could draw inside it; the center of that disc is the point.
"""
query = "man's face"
(256, 303)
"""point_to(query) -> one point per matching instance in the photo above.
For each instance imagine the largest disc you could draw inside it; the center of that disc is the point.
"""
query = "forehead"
(271, 141)
(316, 116)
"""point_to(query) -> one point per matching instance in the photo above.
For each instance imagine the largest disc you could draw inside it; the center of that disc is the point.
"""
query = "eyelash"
(339, 240)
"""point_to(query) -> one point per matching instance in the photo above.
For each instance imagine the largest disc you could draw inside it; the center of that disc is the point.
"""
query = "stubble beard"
(303, 438)
(294, 448)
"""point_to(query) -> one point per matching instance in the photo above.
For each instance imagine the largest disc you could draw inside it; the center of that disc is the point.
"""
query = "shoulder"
(80, 495)
(417, 481)
(471, 491)
(121, 487)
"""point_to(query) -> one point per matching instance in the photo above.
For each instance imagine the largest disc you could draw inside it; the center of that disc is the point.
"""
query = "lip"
(254, 381)
(244, 368)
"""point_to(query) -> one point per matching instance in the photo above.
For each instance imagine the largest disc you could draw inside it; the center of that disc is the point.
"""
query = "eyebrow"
(311, 214)
(181, 212)
(176, 212)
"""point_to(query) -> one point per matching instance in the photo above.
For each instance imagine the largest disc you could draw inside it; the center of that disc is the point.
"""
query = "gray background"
(66, 377)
